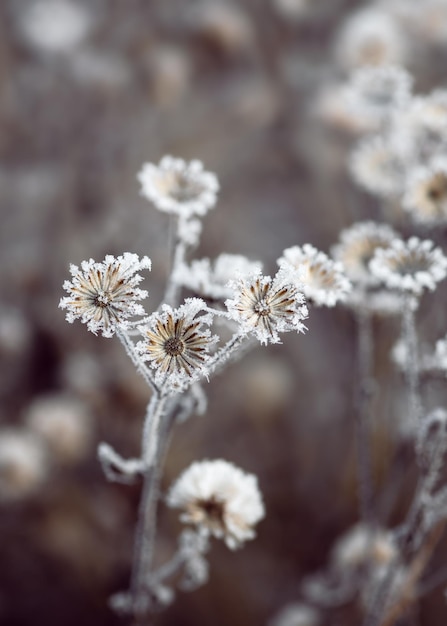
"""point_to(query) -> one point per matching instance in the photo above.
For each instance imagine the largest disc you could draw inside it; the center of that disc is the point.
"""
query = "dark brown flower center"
(213, 509)
(174, 346)
(102, 299)
(262, 308)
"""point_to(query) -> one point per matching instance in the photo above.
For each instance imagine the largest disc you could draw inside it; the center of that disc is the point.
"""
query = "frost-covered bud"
(220, 500)
(63, 424)
(23, 464)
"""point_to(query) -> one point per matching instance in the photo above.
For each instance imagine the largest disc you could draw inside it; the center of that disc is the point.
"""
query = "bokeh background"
(89, 91)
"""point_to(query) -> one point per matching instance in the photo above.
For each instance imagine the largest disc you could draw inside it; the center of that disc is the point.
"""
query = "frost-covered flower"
(364, 545)
(176, 186)
(426, 193)
(377, 167)
(55, 25)
(265, 306)
(297, 614)
(357, 246)
(321, 279)
(220, 499)
(104, 295)
(410, 266)
(23, 464)
(210, 279)
(175, 343)
(373, 92)
(371, 36)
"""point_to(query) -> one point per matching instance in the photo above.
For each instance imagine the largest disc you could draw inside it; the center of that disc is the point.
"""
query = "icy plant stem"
(172, 291)
(129, 346)
(146, 527)
(412, 359)
(363, 416)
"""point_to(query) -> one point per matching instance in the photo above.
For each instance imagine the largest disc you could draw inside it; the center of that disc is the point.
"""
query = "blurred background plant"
(256, 90)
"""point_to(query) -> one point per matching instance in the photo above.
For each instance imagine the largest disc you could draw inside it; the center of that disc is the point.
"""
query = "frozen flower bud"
(210, 279)
(410, 266)
(297, 614)
(176, 343)
(105, 295)
(425, 196)
(362, 546)
(63, 424)
(322, 280)
(23, 465)
(266, 307)
(55, 26)
(220, 500)
(371, 36)
(175, 186)
(357, 246)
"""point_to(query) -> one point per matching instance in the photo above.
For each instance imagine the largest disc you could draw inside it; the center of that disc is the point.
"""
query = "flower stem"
(129, 346)
(412, 360)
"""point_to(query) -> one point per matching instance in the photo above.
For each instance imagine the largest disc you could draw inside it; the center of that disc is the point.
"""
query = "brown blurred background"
(89, 91)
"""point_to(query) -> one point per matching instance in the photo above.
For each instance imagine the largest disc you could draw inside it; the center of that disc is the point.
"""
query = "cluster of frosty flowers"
(403, 156)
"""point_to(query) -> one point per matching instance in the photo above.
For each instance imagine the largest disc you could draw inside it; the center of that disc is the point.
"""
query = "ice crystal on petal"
(175, 344)
(220, 499)
(210, 279)
(426, 193)
(265, 306)
(180, 187)
(321, 279)
(357, 246)
(104, 295)
(410, 266)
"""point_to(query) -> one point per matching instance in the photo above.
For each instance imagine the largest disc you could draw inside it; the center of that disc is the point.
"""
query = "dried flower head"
(175, 186)
(371, 36)
(104, 295)
(265, 306)
(175, 343)
(377, 167)
(220, 499)
(426, 193)
(374, 92)
(410, 266)
(321, 279)
(210, 279)
(357, 246)
(23, 464)
(364, 545)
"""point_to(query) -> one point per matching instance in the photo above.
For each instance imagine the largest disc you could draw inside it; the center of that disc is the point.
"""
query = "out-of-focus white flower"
(23, 464)
(425, 197)
(410, 266)
(418, 132)
(210, 279)
(104, 295)
(220, 499)
(364, 545)
(297, 614)
(266, 307)
(55, 25)
(374, 92)
(377, 167)
(175, 343)
(357, 246)
(371, 36)
(175, 186)
(322, 280)
(63, 424)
